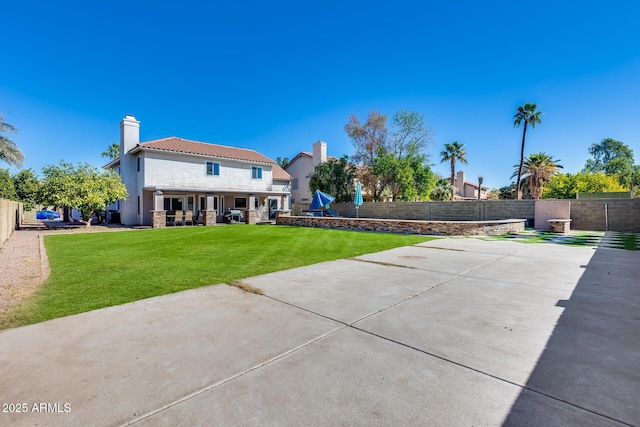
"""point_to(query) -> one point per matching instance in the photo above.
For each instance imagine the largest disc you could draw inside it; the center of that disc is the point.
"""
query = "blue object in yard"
(320, 200)
(357, 200)
(45, 214)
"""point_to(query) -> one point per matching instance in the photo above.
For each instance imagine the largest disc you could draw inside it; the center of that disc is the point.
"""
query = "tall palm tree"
(9, 151)
(113, 151)
(529, 114)
(453, 153)
(537, 170)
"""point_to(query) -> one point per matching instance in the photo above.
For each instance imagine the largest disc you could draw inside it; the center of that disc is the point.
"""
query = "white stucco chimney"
(129, 133)
(319, 152)
(129, 138)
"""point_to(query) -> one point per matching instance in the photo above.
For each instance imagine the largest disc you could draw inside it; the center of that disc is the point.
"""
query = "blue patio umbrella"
(320, 200)
(357, 200)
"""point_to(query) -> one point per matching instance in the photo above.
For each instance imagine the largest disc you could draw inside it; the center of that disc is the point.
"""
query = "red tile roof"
(180, 145)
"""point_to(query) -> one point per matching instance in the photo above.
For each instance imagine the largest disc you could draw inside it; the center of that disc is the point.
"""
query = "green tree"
(392, 162)
(508, 192)
(613, 158)
(409, 136)
(81, 186)
(27, 187)
(7, 190)
(537, 170)
(405, 179)
(113, 151)
(529, 115)
(335, 177)
(566, 185)
(368, 139)
(282, 161)
(442, 190)
(423, 180)
(453, 153)
(9, 152)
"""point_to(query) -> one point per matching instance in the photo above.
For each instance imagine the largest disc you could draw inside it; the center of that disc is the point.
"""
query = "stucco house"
(468, 190)
(171, 174)
(301, 167)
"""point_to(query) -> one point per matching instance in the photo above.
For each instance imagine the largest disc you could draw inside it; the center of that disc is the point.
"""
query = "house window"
(256, 172)
(256, 203)
(138, 205)
(295, 183)
(190, 201)
(172, 203)
(240, 203)
(213, 168)
(138, 163)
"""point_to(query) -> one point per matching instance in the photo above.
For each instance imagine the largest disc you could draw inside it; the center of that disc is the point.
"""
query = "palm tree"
(113, 151)
(528, 114)
(452, 153)
(9, 151)
(537, 170)
(442, 190)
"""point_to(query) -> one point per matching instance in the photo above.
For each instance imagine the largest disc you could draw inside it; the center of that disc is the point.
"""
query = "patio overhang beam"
(216, 191)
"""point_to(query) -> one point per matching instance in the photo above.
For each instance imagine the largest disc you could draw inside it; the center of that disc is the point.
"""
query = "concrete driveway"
(452, 332)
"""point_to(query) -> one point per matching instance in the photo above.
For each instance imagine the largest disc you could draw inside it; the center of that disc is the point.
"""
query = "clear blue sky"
(277, 76)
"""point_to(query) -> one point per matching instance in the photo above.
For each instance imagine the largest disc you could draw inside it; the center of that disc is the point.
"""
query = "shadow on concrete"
(591, 362)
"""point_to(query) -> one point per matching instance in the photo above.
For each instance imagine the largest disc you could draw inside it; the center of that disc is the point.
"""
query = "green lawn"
(94, 270)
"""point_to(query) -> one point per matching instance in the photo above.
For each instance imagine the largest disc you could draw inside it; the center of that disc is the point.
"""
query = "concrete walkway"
(452, 332)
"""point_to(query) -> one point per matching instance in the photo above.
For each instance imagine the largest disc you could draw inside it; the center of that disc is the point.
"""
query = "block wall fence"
(11, 214)
(594, 214)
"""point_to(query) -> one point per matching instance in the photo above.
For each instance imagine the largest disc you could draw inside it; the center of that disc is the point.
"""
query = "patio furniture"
(171, 217)
(188, 217)
(233, 216)
(178, 218)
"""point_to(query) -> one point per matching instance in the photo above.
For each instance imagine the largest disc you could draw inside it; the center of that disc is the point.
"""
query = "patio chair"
(178, 218)
(188, 217)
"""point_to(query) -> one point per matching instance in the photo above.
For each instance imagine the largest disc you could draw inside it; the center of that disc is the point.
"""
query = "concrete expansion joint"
(462, 365)
(445, 359)
(386, 264)
(231, 378)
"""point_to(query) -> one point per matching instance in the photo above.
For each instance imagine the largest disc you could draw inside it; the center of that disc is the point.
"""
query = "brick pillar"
(158, 219)
(209, 218)
(251, 216)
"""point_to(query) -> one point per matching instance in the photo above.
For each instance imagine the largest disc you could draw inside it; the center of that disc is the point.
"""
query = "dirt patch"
(23, 262)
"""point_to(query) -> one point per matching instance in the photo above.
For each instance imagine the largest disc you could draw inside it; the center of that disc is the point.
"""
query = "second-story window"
(138, 163)
(256, 172)
(213, 168)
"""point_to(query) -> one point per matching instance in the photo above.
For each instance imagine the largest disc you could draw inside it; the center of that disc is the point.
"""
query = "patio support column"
(209, 217)
(158, 219)
(158, 214)
(251, 214)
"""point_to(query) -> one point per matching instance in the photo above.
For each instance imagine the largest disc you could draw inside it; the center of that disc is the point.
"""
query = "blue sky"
(278, 76)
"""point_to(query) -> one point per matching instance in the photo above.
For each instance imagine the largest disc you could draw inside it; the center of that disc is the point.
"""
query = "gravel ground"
(21, 266)
(24, 265)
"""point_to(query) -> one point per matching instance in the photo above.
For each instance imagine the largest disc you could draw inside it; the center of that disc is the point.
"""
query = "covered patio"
(180, 206)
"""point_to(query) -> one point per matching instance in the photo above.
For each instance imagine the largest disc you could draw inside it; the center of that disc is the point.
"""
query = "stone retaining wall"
(440, 228)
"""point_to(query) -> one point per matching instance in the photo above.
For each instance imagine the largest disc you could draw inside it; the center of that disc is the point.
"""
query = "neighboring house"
(301, 167)
(468, 190)
(170, 174)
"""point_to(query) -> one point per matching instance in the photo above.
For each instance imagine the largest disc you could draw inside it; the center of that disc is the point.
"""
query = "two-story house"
(301, 167)
(171, 174)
